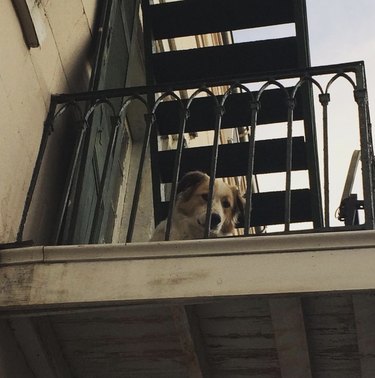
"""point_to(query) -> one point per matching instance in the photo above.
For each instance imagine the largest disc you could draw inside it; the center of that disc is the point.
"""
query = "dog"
(189, 212)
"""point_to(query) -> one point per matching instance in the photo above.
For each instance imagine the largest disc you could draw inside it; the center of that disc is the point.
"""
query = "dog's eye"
(226, 203)
(205, 196)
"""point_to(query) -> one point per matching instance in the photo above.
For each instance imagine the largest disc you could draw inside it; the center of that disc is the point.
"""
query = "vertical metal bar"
(109, 153)
(47, 130)
(255, 106)
(150, 120)
(307, 102)
(213, 166)
(324, 99)
(149, 48)
(302, 33)
(176, 173)
(360, 95)
(289, 157)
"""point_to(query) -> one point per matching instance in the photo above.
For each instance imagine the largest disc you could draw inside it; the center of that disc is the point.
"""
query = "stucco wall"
(27, 78)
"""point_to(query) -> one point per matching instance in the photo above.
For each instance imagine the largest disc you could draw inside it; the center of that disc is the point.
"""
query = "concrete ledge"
(180, 249)
(167, 272)
(25, 255)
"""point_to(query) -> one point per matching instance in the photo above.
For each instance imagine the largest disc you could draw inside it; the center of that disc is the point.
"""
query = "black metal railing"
(84, 104)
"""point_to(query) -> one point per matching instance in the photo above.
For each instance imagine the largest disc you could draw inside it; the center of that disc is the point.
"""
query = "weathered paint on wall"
(27, 79)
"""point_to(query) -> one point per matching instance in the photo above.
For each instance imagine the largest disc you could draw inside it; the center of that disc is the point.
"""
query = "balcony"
(292, 297)
(310, 185)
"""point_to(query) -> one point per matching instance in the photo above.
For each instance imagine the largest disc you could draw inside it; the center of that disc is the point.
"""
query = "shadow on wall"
(46, 200)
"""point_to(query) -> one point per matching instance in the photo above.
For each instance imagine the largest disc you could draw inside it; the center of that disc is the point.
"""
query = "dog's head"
(192, 197)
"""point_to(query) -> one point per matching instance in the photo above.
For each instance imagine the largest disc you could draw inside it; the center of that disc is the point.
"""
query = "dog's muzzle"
(215, 221)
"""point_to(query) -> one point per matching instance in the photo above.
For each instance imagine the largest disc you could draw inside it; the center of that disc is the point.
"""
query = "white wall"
(27, 79)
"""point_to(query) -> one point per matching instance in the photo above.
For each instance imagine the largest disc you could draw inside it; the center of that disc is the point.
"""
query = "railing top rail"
(354, 67)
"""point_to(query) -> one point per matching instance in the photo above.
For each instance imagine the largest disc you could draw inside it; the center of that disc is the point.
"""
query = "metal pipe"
(289, 157)
(47, 130)
(255, 106)
(360, 95)
(176, 173)
(324, 100)
(213, 166)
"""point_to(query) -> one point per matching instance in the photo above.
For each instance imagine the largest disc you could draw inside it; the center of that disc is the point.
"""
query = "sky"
(343, 31)
(340, 31)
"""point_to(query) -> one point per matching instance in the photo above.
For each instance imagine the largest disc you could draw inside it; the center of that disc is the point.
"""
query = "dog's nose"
(215, 220)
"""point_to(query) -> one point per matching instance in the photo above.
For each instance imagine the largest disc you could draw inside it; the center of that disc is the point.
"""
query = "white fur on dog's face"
(192, 205)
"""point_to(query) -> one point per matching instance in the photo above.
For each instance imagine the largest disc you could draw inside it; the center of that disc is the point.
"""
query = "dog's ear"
(239, 203)
(190, 181)
(238, 211)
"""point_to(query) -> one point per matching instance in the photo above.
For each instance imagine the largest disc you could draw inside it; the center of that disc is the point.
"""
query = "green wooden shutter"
(90, 221)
